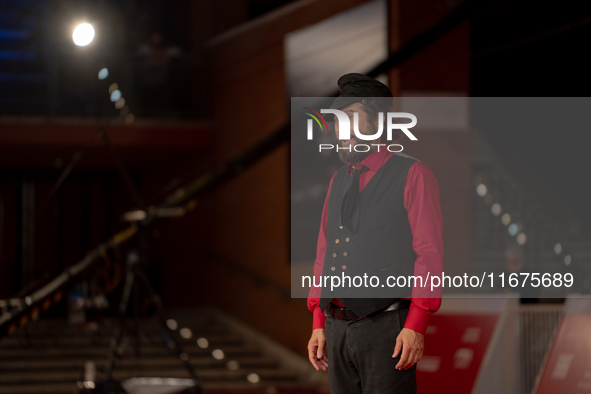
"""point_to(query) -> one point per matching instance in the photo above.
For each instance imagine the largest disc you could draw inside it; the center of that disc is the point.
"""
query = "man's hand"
(412, 344)
(317, 350)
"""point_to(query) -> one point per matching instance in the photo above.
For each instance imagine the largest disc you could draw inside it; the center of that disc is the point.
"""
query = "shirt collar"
(374, 161)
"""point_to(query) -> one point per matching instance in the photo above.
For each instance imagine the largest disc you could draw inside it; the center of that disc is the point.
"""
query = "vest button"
(344, 253)
(346, 239)
(336, 241)
(344, 267)
(334, 255)
(341, 226)
(332, 268)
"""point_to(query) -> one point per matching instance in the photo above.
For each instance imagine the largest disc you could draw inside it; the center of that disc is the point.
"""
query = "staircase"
(49, 356)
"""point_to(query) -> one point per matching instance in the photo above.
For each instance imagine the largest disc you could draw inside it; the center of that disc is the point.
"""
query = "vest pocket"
(392, 265)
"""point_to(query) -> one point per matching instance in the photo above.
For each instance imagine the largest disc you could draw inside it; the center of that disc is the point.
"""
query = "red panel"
(454, 349)
(75, 132)
(27, 143)
(568, 369)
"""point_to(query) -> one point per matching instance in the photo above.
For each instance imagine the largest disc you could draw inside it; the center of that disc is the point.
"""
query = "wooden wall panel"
(250, 100)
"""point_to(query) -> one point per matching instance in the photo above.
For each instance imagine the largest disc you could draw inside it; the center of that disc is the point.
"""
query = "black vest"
(382, 246)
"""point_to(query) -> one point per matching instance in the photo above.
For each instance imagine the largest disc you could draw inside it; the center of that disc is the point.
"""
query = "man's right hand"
(317, 350)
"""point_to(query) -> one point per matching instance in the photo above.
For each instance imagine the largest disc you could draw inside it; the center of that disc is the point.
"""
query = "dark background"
(537, 49)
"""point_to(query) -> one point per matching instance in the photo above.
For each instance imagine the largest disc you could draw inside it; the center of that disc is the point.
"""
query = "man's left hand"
(412, 345)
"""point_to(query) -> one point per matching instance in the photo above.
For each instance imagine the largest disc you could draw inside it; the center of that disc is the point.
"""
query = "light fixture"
(83, 34)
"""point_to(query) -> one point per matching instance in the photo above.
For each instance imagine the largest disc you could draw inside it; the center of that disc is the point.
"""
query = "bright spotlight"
(83, 34)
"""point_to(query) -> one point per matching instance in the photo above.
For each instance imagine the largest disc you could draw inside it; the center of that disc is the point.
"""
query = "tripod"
(134, 270)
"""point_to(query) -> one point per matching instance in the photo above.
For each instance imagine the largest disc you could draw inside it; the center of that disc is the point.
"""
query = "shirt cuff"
(319, 318)
(417, 319)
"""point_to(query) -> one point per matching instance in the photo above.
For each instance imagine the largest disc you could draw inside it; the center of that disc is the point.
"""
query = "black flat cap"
(355, 87)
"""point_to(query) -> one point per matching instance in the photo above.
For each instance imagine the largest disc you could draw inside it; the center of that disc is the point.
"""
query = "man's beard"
(353, 156)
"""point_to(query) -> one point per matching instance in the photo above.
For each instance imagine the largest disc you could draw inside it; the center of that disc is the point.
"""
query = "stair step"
(147, 328)
(148, 351)
(156, 362)
(59, 352)
(104, 341)
(208, 386)
(268, 374)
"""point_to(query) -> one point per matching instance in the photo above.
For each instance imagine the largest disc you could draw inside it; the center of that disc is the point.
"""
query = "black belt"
(344, 313)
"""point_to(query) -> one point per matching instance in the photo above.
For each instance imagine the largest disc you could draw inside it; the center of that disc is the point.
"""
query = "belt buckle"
(337, 312)
(348, 316)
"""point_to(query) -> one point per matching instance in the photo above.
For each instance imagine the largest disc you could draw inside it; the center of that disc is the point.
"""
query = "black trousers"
(360, 355)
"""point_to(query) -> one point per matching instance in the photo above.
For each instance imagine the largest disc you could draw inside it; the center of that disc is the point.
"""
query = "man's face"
(365, 127)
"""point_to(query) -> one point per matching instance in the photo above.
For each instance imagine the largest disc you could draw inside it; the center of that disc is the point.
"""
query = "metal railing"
(537, 325)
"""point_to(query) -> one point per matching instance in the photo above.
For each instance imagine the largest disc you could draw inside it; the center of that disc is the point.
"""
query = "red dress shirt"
(421, 199)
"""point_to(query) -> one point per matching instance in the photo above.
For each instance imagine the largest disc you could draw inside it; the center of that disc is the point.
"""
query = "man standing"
(381, 216)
